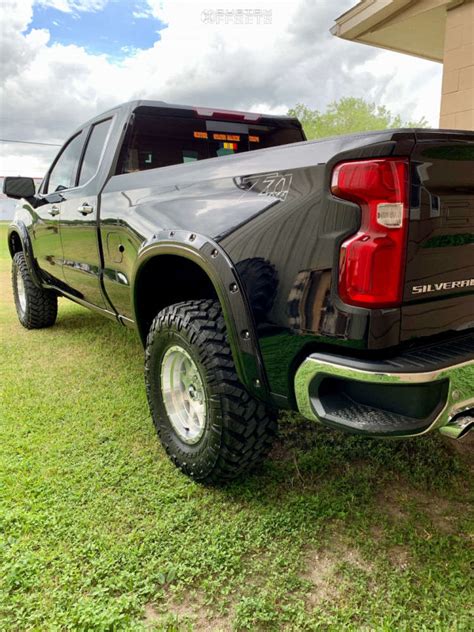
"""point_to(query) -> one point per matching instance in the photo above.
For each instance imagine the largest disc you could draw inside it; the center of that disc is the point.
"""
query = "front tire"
(210, 426)
(36, 308)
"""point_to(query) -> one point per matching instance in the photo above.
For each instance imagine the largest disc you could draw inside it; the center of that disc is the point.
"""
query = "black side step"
(377, 409)
(400, 396)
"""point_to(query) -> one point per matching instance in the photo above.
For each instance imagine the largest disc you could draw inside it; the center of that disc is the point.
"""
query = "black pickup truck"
(263, 271)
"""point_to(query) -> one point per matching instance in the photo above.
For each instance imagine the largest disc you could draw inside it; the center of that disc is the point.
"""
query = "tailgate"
(440, 256)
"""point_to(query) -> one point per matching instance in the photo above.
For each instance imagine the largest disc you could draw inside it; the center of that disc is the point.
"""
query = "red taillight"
(372, 261)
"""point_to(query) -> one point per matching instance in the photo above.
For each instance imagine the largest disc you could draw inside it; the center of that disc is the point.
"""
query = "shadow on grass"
(308, 458)
(82, 319)
(306, 455)
(78, 321)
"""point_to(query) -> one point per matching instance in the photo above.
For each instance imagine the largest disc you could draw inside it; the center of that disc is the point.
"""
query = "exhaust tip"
(459, 426)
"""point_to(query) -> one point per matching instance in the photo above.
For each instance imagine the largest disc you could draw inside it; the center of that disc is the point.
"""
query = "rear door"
(79, 221)
(439, 280)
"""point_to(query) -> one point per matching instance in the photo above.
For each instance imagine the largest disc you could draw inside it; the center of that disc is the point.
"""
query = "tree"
(349, 114)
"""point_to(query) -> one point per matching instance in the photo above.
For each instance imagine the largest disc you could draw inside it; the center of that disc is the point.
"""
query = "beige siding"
(457, 102)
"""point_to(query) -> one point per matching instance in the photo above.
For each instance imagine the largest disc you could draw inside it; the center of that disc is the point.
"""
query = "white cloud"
(410, 85)
(68, 6)
(15, 156)
(48, 89)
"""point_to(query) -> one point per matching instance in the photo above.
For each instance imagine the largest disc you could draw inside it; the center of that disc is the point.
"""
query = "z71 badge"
(275, 185)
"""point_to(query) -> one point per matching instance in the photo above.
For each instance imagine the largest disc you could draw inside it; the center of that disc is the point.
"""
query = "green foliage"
(99, 532)
(348, 115)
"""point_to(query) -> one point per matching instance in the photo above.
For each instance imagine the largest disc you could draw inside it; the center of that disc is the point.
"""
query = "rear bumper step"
(408, 395)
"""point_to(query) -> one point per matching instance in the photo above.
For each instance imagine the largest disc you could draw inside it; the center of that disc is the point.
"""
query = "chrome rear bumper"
(391, 398)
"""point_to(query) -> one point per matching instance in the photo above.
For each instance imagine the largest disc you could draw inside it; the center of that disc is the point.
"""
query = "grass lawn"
(98, 531)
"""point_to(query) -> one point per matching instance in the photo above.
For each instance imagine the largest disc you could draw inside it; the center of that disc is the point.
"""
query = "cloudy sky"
(63, 61)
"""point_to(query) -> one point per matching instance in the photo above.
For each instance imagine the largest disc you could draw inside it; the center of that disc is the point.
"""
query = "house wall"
(457, 101)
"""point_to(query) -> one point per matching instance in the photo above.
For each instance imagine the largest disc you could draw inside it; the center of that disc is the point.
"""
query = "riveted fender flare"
(20, 229)
(213, 260)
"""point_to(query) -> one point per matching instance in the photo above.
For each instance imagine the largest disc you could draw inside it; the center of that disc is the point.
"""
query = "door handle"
(54, 210)
(85, 209)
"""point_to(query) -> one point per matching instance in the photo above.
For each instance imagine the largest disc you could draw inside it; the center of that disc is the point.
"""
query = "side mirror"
(18, 188)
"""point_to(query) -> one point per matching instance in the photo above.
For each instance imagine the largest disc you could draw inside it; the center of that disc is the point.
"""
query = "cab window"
(64, 172)
(95, 145)
(155, 139)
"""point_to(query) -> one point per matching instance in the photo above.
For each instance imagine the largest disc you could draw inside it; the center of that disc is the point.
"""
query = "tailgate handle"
(85, 209)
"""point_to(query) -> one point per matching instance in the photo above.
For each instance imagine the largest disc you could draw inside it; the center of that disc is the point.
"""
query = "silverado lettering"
(447, 285)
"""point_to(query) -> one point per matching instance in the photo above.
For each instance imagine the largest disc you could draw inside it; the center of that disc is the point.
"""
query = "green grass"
(98, 531)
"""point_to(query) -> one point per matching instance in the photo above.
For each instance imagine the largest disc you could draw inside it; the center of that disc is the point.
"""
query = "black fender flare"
(19, 228)
(216, 264)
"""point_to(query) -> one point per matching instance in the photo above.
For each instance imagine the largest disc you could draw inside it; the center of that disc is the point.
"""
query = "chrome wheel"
(183, 393)
(20, 290)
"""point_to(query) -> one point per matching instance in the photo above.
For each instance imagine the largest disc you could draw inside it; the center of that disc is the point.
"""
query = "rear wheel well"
(166, 280)
(14, 243)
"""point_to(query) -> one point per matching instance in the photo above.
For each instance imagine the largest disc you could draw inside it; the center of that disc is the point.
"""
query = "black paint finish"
(264, 228)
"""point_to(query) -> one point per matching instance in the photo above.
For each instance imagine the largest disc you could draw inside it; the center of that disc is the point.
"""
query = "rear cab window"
(159, 139)
(94, 149)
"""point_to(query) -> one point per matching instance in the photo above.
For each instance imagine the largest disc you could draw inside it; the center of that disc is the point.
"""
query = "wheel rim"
(20, 290)
(183, 393)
